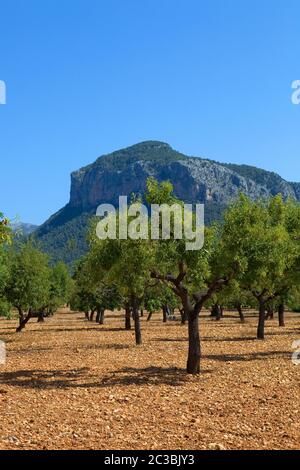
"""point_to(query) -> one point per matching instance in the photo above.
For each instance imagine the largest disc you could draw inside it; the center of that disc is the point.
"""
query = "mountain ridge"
(23, 228)
(125, 171)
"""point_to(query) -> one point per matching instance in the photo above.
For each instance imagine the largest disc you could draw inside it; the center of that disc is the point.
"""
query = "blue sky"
(210, 77)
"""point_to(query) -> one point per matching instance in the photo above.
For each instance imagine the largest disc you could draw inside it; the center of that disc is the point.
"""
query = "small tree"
(60, 287)
(256, 232)
(82, 297)
(194, 276)
(127, 265)
(92, 293)
(234, 297)
(28, 287)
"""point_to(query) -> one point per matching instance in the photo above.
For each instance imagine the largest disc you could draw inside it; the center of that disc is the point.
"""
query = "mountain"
(23, 228)
(125, 172)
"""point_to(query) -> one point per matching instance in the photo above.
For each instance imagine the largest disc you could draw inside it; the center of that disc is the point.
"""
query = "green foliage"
(233, 296)
(28, 285)
(91, 292)
(5, 231)
(61, 286)
(5, 308)
(257, 234)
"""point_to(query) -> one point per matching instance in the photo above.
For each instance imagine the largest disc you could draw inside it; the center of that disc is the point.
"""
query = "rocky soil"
(69, 384)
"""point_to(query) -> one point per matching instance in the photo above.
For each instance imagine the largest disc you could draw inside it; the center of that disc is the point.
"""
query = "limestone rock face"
(194, 179)
(125, 172)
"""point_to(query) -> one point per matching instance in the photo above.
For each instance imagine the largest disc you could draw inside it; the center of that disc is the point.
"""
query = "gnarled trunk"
(183, 316)
(270, 313)
(102, 315)
(41, 316)
(127, 319)
(261, 320)
(149, 316)
(165, 313)
(92, 315)
(241, 314)
(214, 310)
(137, 323)
(21, 315)
(194, 355)
(281, 315)
(24, 321)
(219, 313)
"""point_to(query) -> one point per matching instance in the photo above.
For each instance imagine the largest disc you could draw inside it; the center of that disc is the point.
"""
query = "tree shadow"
(148, 375)
(106, 346)
(248, 357)
(32, 349)
(207, 338)
(65, 379)
(170, 340)
(96, 327)
(7, 327)
(43, 379)
(229, 340)
(283, 332)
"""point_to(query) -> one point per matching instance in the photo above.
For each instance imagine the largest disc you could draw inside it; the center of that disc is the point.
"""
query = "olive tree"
(257, 234)
(28, 286)
(193, 275)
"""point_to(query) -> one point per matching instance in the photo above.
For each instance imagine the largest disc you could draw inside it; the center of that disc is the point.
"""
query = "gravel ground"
(71, 384)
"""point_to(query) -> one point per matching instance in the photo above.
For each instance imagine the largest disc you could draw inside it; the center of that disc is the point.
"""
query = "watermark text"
(163, 222)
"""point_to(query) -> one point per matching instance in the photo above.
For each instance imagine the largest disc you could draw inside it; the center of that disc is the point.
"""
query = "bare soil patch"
(71, 384)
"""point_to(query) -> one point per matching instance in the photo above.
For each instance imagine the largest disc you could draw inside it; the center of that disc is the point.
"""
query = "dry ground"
(72, 384)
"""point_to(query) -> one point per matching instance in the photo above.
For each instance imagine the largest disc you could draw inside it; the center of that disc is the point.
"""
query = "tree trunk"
(41, 316)
(98, 316)
(270, 313)
(165, 314)
(149, 316)
(261, 320)
(215, 311)
(24, 321)
(21, 315)
(281, 315)
(92, 315)
(127, 319)
(183, 316)
(142, 312)
(87, 315)
(137, 323)
(240, 310)
(194, 355)
(102, 314)
(219, 313)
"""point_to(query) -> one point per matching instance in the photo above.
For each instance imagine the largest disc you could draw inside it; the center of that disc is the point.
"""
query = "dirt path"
(72, 384)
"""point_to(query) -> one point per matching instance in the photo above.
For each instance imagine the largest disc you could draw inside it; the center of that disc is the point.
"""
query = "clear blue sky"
(210, 77)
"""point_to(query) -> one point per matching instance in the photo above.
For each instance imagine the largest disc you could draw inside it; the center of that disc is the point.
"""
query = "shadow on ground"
(81, 378)
(261, 356)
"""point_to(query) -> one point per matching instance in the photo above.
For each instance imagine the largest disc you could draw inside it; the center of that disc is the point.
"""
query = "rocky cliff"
(126, 171)
(194, 179)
